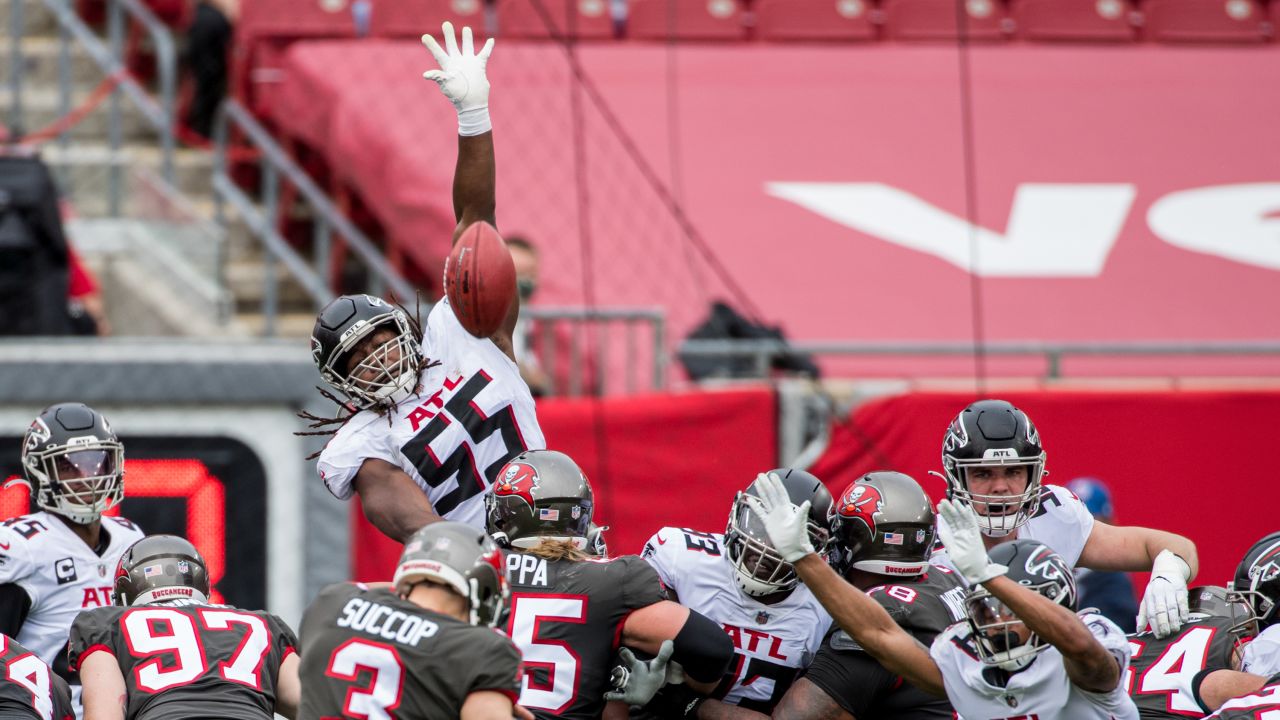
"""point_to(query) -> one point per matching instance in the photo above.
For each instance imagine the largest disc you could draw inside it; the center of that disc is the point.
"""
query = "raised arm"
(855, 612)
(464, 82)
(1089, 665)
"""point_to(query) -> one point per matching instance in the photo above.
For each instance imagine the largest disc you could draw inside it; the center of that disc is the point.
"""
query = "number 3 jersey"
(772, 643)
(1161, 671)
(471, 414)
(567, 618)
(189, 661)
(369, 654)
(1041, 690)
(28, 688)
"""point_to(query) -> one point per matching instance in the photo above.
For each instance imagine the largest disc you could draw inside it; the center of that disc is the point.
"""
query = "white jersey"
(472, 413)
(61, 575)
(1041, 690)
(772, 642)
(1062, 523)
(1262, 654)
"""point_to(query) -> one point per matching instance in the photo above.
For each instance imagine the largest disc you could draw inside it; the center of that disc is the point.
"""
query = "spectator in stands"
(1110, 592)
(33, 248)
(208, 47)
(525, 257)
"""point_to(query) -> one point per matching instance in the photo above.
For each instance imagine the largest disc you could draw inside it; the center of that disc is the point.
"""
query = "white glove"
(786, 524)
(958, 528)
(1164, 604)
(462, 79)
(643, 679)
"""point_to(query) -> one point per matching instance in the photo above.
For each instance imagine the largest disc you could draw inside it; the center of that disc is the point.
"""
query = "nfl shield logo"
(183, 567)
(762, 617)
(920, 536)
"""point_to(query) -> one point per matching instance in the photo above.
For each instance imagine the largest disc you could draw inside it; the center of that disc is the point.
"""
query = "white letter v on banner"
(1055, 230)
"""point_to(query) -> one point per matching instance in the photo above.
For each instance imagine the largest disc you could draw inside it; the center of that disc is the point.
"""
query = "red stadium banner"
(653, 461)
(1190, 462)
(1115, 194)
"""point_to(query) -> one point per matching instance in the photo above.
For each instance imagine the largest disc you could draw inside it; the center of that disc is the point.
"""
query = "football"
(480, 279)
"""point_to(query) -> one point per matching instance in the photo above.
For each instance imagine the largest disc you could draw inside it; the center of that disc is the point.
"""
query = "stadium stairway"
(165, 268)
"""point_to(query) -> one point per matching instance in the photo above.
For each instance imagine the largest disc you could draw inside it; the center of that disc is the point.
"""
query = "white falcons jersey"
(1041, 690)
(1062, 522)
(772, 642)
(61, 575)
(1262, 654)
(471, 414)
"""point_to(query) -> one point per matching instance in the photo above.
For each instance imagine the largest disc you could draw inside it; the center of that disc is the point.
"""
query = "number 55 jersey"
(189, 661)
(471, 414)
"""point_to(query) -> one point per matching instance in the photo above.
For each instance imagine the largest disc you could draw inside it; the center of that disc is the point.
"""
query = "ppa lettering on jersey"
(385, 622)
(527, 569)
(424, 412)
(752, 641)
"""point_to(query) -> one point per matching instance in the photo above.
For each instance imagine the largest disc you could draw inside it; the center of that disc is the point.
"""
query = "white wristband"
(474, 121)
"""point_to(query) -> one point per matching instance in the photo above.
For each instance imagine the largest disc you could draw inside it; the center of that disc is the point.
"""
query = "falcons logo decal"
(861, 502)
(517, 479)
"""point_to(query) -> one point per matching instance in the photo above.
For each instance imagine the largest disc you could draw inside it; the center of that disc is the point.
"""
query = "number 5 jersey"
(189, 661)
(471, 414)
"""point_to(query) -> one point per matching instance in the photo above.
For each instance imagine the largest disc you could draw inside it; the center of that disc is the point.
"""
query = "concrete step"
(40, 58)
(36, 19)
(84, 170)
(41, 107)
(246, 279)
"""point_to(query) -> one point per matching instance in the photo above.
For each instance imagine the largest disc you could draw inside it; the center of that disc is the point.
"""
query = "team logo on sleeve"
(862, 502)
(517, 479)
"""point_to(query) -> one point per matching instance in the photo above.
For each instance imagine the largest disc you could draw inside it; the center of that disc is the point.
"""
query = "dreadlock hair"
(322, 426)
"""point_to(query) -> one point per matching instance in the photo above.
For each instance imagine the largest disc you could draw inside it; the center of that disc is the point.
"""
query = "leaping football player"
(436, 411)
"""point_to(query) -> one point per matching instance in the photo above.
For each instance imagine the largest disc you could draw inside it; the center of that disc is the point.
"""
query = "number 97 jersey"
(189, 661)
(772, 643)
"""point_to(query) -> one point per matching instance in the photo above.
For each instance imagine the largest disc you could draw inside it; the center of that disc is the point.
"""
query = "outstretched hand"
(958, 528)
(643, 679)
(462, 77)
(786, 524)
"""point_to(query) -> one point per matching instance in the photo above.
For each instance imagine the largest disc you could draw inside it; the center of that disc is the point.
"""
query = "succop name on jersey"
(385, 622)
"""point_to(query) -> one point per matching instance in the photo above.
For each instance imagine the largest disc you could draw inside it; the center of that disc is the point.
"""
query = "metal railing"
(109, 59)
(762, 352)
(633, 323)
(327, 219)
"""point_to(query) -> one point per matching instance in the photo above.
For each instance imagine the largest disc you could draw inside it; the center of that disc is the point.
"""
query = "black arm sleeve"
(854, 679)
(14, 606)
(703, 649)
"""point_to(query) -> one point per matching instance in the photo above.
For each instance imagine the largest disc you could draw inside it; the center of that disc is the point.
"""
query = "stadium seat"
(581, 19)
(412, 18)
(686, 20)
(814, 20)
(985, 20)
(1206, 20)
(1091, 20)
(267, 27)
